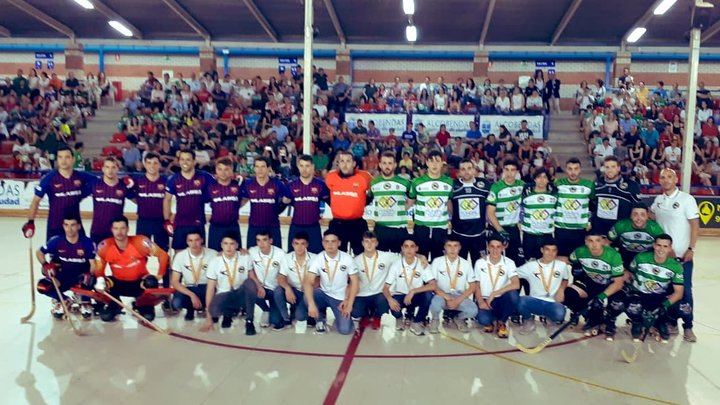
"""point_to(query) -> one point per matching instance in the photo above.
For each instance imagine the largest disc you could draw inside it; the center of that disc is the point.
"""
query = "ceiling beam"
(264, 23)
(641, 22)
(569, 14)
(188, 18)
(4, 31)
(486, 23)
(112, 15)
(710, 32)
(336, 22)
(44, 18)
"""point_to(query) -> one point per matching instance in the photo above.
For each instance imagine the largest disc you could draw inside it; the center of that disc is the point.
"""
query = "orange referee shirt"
(348, 195)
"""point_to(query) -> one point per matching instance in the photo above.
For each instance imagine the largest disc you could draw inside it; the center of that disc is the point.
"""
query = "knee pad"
(573, 300)
(634, 310)
(44, 286)
(150, 282)
(685, 309)
(615, 307)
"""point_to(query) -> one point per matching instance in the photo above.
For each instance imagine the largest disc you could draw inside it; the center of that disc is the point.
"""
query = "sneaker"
(279, 327)
(502, 331)
(417, 329)
(574, 319)
(226, 322)
(663, 333)
(673, 328)
(320, 327)
(489, 328)
(249, 328)
(689, 336)
(515, 319)
(311, 322)
(265, 319)
(57, 309)
(399, 324)
(435, 326)
(527, 327)
(86, 310)
(190, 315)
(636, 331)
(461, 325)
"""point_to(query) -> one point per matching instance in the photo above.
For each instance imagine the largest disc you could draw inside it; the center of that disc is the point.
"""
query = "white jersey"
(544, 279)
(494, 276)
(373, 272)
(452, 277)
(403, 277)
(267, 267)
(193, 268)
(229, 272)
(334, 273)
(295, 270)
(673, 212)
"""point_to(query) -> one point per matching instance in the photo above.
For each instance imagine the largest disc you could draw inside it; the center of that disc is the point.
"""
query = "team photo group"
(433, 251)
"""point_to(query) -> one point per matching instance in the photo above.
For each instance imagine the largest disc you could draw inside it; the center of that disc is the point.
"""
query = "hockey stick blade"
(67, 315)
(544, 343)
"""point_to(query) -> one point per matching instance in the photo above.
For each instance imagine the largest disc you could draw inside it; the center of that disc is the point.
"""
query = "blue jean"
(218, 232)
(685, 309)
(373, 305)
(313, 231)
(529, 306)
(502, 307)
(298, 309)
(274, 234)
(268, 304)
(467, 308)
(182, 301)
(343, 325)
(421, 301)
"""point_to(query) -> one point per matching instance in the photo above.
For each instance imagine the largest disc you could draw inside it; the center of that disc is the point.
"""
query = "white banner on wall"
(489, 124)
(457, 125)
(383, 122)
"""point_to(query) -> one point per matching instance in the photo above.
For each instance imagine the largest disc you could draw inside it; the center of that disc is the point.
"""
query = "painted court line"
(337, 384)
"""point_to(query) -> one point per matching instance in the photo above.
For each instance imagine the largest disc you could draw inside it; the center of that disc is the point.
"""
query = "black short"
(590, 287)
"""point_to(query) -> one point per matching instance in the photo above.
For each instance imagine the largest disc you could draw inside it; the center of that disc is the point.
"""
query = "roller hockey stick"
(66, 310)
(544, 343)
(27, 317)
(134, 313)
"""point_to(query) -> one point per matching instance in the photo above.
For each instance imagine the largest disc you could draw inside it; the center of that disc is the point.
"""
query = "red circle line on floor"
(362, 356)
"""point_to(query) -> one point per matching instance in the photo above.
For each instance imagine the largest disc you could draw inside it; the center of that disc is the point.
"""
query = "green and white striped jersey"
(651, 277)
(573, 204)
(634, 240)
(389, 198)
(506, 199)
(600, 269)
(431, 197)
(538, 212)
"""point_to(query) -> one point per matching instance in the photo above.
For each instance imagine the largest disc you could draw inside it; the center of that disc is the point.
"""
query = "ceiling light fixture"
(636, 34)
(121, 28)
(86, 4)
(664, 6)
(409, 7)
(411, 33)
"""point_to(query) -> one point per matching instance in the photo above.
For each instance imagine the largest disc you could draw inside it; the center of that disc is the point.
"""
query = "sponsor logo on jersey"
(77, 182)
(468, 204)
(241, 269)
(540, 215)
(571, 205)
(276, 264)
(501, 272)
(381, 266)
(573, 189)
(623, 185)
(233, 189)
(416, 275)
(607, 204)
(119, 193)
(656, 270)
(161, 187)
(99, 191)
(80, 252)
(435, 186)
(343, 268)
(386, 186)
(215, 191)
(197, 182)
(271, 191)
(556, 274)
(541, 199)
(434, 202)
(386, 202)
(675, 205)
(460, 273)
(313, 190)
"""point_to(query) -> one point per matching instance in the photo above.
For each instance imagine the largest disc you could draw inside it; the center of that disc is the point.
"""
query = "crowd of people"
(645, 128)
(40, 112)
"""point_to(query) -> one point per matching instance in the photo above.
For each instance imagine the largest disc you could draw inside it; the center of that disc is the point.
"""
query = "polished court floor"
(43, 362)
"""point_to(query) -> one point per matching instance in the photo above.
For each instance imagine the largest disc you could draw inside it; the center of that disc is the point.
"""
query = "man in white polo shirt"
(267, 261)
(188, 275)
(548, 278)
(455, 285)
(373, 266)
(290, 279)
(228, 287)
(677, 213)
(335, 268)
(409, 285)
(498, 284)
